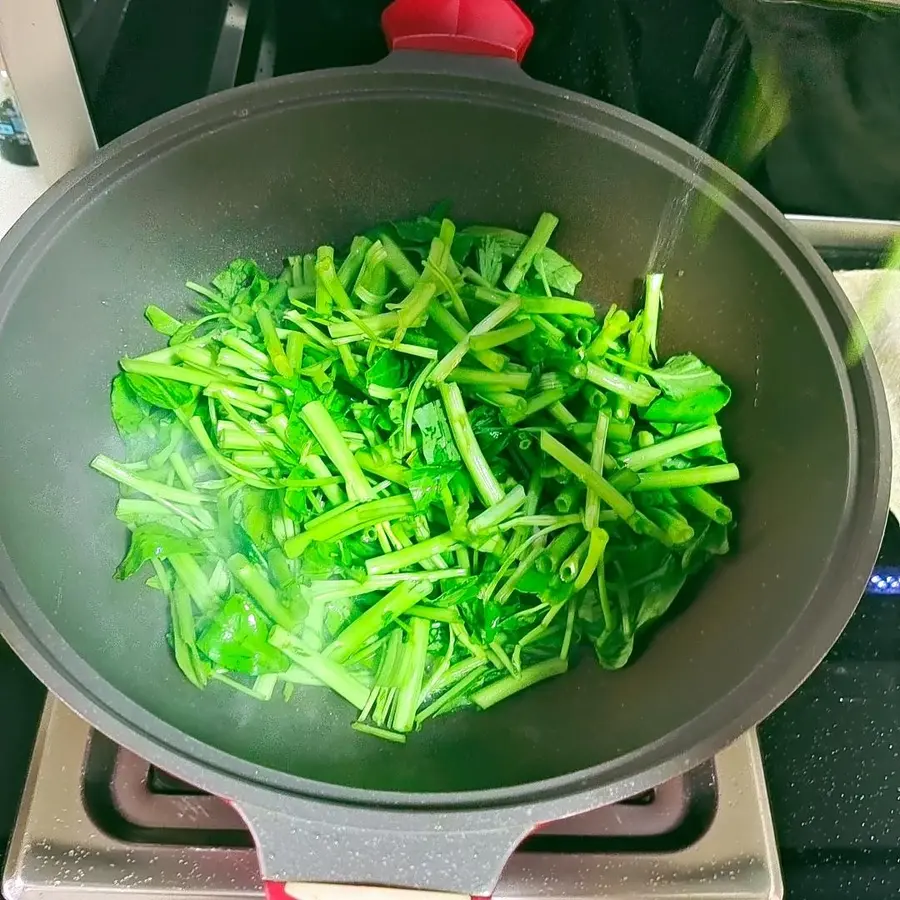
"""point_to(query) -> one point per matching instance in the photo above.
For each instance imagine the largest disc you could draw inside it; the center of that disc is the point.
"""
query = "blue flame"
(884, 581)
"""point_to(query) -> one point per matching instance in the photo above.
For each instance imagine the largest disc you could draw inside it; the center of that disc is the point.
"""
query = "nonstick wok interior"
(276, 177)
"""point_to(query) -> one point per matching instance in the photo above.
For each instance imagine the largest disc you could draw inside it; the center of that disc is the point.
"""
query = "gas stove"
(97, 820)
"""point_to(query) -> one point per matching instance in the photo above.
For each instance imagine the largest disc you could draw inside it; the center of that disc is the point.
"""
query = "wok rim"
(32, 636)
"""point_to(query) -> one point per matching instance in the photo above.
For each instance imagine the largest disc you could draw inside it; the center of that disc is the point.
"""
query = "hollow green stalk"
(503, 381)
(535, 404)
(363, 516)
(500, 336)
(706, 504)
(397, 262)
(571, 565)
(352, 264)
(597, 543)
(660, 451)
(598, 450)
(375, 619)
(330, 672)
(258, 587)
(412, 555)
(682, 478)
(678, 530)
(407, 700)
(155, 490)
(320, 423)
(538, 240)
(495, 515)
(632, 391)
(456, 331)
(462, 347)
(585, 473)
(485, 481)
(512, 684)
(248, 351)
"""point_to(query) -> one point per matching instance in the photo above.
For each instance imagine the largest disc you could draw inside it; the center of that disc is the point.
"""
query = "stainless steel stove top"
(97, 820)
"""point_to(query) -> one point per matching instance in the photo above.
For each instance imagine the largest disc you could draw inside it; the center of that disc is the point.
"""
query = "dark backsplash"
(838, 69)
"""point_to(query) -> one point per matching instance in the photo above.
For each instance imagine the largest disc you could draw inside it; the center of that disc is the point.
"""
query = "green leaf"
(507, 241)
(255, 516)
(274, 296)
(642, 558)
(716, 541)
(241, 276)
(371, 421)
(353, 551)
(297, 500)
(658, 593)
(299, 437)
(462, 590)
(490, 260)
(438, 445)
(694, 409)
(233, 537)
(421, 230)
(322, 559)
(302, 388)
(163, 392)
(693, 391)
(416, 235)
(685, 376)
(481, 617)
(715, 450)
(613, 649)
(534, 582)
(154, 542)
(389, 370)
(427, 483)
(186, 331)
(129, 411)
(161, 321)
(236, 639)
(711, 540)
(560, 273)
(491, 431)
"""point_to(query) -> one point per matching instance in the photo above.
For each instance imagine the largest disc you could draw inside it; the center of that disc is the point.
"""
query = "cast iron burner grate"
(135, 802)
(96, 819)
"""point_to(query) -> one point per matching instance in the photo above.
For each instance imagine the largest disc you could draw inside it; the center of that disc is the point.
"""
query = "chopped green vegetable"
(415, 471)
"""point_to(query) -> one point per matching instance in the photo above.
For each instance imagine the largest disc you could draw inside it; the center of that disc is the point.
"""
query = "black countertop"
(21, 700)
(838, 67)
(832, 758)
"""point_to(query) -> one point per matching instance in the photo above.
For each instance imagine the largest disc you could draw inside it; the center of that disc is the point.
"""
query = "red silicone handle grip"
(474, 27)
(275, 891)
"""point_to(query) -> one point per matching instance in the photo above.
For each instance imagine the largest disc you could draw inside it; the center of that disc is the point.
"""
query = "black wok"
(264, 170)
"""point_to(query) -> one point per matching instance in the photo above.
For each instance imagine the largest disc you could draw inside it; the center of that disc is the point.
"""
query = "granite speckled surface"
(832, 759)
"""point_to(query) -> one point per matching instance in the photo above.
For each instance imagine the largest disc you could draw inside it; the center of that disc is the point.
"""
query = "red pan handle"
(309, 850)
(495, 28)
(486, 28)
(304, 891)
